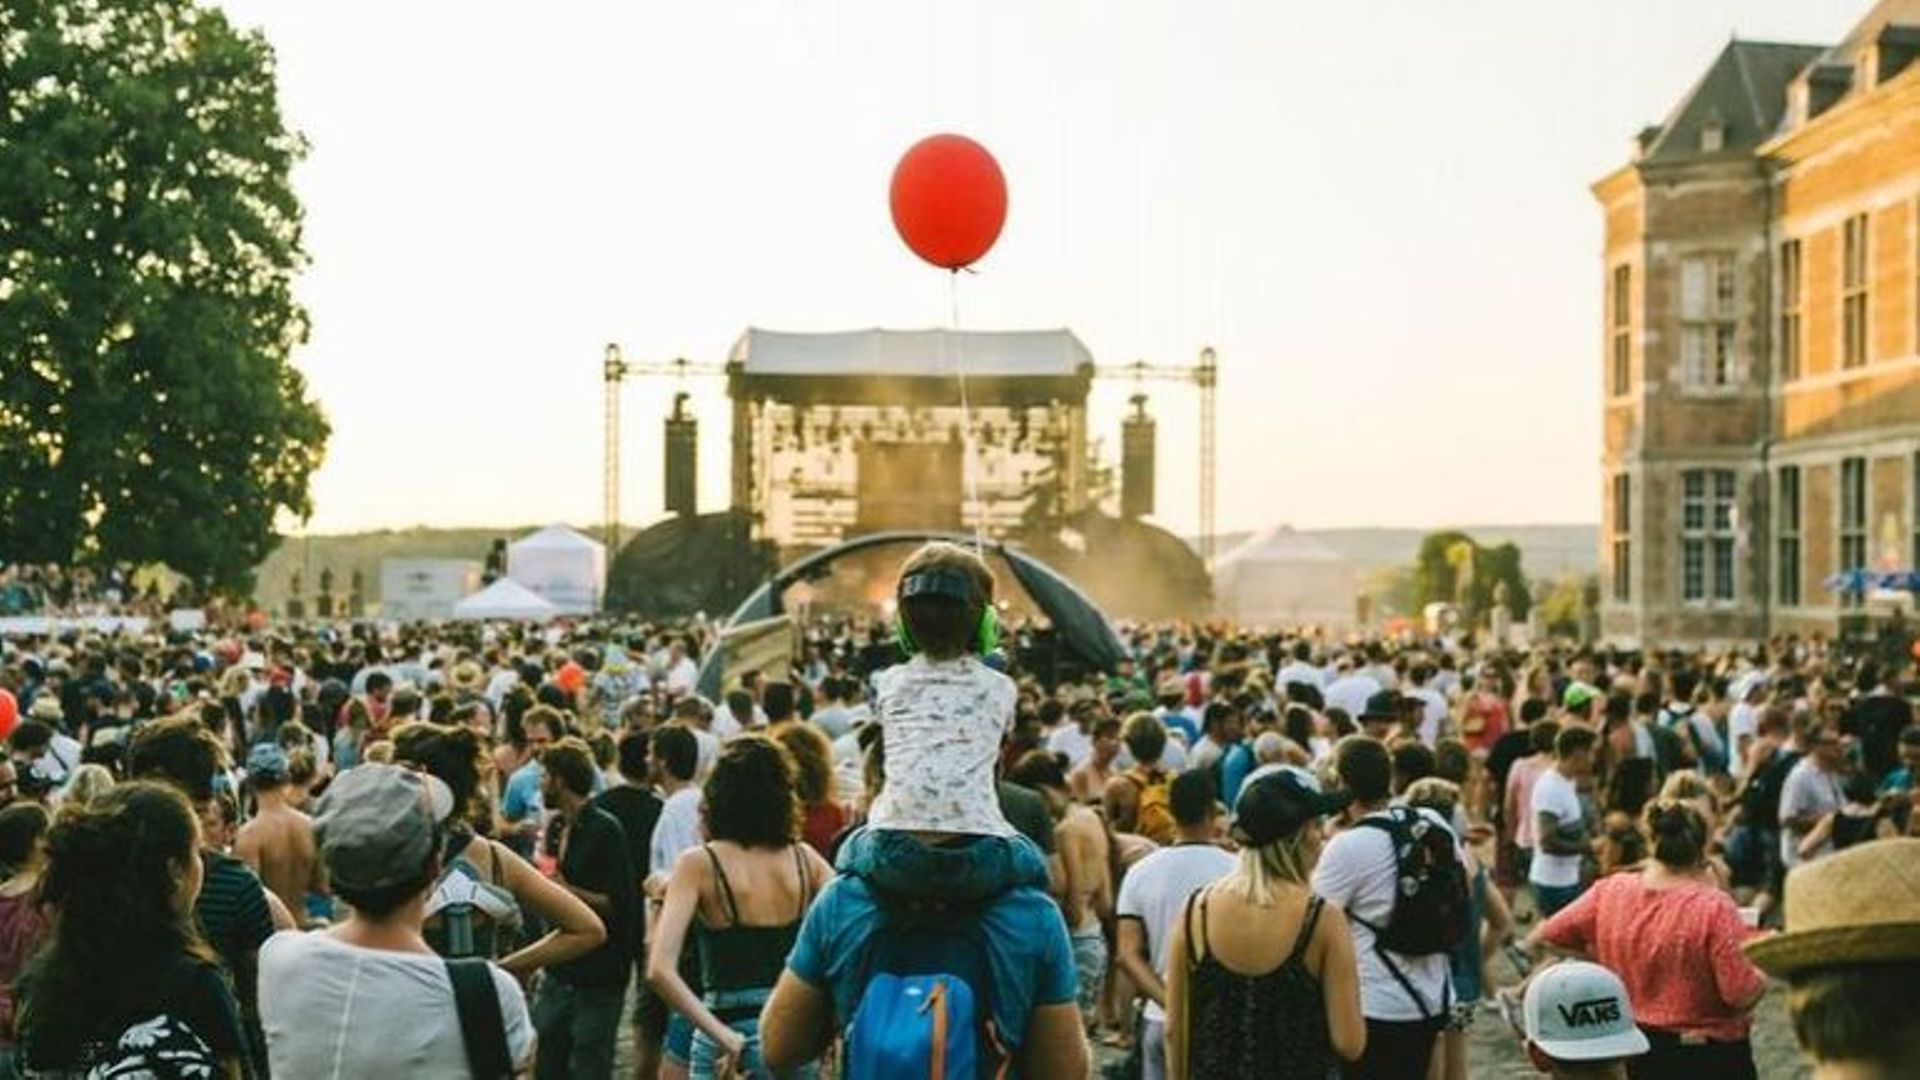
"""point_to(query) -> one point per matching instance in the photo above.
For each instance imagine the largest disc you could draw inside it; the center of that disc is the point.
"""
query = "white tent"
(1281, 578)
(565, 568)
(504, 599)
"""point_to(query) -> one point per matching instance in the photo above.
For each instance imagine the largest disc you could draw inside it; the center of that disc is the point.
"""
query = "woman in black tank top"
(741, 897)
(1261, 977)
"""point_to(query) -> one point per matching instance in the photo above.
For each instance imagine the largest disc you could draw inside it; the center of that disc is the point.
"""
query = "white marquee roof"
(912, 353)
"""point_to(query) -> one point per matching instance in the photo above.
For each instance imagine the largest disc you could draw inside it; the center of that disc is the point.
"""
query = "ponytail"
(1677, 831)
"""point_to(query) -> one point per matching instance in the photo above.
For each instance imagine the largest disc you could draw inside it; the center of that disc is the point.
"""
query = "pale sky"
(1377, 213)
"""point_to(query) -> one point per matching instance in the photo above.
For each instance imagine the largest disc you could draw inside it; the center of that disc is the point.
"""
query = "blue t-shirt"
(1180, 722)
(1236, 763)
(1030, 957)
(522, 796)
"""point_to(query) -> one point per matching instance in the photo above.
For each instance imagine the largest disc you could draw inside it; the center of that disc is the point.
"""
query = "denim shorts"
(678, 1047)
(741, 1011)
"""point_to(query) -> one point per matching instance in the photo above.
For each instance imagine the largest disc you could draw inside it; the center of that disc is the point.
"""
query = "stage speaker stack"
(683, 447)
(1136, 461)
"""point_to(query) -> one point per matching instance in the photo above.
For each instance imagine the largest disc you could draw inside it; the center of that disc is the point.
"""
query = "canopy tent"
(563, 567)
(1280, 577)
(505, 599)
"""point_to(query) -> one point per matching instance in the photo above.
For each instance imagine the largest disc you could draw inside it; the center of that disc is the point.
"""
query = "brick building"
(1760, 355)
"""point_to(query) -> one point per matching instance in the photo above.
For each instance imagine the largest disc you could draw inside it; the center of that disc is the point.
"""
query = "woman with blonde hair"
(1489, 925)
(89, 782)
(1261, 975)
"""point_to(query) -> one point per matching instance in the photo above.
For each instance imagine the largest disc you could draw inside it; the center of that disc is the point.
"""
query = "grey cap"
(376, 824)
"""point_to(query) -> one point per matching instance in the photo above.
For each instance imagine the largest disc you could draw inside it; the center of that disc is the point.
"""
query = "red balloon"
(9, 713)
(949, 200)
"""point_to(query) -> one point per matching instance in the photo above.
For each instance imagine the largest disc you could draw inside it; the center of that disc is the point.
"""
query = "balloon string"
(969, 473)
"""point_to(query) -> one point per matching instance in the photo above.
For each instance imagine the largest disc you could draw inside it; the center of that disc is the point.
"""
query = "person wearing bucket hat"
(369, 997)
(1296, 1018)
(1577, 1022)
(1382, 714)
(1851, 956)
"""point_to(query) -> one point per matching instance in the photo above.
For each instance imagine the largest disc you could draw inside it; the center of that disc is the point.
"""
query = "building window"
(1622, 541)
(1622, 322)
(1708, 290)
(1853, 519)
(1790, 311)
(1787, 572)
(1853, 292)
(1706, 534)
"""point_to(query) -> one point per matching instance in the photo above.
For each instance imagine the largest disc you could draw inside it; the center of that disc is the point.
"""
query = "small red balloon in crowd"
(9, 713)
(949, 200)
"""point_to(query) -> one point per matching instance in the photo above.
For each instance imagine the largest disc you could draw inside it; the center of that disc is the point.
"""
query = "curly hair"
(453, 754)
(114, 871)
(749, 796)
(812, 761)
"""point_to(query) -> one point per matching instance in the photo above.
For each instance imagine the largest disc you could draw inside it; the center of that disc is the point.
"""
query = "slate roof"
(1745, 91)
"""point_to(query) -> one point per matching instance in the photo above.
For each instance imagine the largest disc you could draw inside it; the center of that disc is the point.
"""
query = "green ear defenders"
(952, 585)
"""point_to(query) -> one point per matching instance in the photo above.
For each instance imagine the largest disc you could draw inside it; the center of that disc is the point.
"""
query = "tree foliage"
(1453, 568)
(1568, 608)
(148, 241)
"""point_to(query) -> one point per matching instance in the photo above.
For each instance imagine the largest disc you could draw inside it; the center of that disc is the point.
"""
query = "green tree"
(1565, 607)
(1453, 568)
(148, 242)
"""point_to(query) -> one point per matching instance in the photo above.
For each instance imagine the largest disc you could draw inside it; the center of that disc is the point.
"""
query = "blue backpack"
(926, 1007)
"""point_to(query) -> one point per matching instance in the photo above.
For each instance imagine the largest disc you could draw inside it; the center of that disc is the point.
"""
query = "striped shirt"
(233, 917)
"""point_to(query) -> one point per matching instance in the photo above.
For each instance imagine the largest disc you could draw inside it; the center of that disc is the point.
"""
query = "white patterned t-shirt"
(942, 722)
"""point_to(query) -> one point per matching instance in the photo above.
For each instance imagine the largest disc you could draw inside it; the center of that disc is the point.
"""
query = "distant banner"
(43, 625)
(767, 646)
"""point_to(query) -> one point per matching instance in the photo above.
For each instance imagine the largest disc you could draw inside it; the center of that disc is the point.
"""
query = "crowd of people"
(332, 850)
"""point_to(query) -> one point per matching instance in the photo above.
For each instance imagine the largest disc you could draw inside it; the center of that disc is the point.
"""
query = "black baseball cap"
(1273, 805)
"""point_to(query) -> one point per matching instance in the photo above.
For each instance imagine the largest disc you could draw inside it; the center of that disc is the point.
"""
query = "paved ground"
(1494, 1054)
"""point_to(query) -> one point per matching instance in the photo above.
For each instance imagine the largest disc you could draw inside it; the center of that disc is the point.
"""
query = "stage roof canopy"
(911, 366)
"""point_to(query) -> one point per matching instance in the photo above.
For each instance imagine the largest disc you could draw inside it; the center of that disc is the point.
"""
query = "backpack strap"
(498, 873)
(483, 1031)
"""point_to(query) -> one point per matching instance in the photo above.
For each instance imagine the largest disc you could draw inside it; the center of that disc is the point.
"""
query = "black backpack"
(1432, 903)
(1760, 802)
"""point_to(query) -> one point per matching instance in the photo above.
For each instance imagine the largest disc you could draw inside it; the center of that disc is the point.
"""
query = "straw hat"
(1860, 906)
(466, 675)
